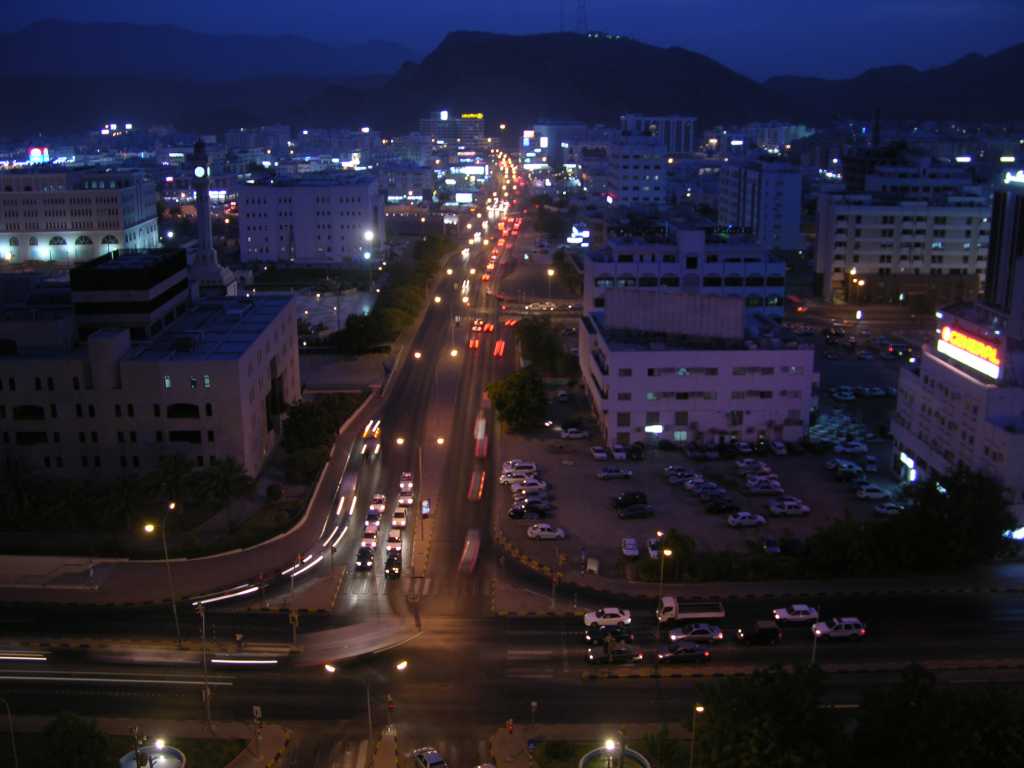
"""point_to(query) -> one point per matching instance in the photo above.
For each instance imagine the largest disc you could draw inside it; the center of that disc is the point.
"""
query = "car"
(599, 635)
(870, 463)
(628, 499)
(614, 654)
(682, 479)
(428, 757)
(599, 452)
(369, 540)
(607, 617)
(876, 392)
(473, 342)
(771, 488)
(677, 469)
(399, 518)
(393, 543)
(788, 508)
(371, 525)
(562, 396)
(636, 512)
(618, 452)
(519, 465)
(744, 448)
(721, 506)
(797, 613)
(778, 447)
(379, 503)
(630, 548)
(696, 633)
(770, 546)
(745, 520)
(747, 465)
(681, 652)
(406, 482)
(393, 566)
(544, 531)
(654, 548)
(888, 509)
(614, 473)
(364, 559)
(531, 512)
(425, 508)
(843, 397)
(759, 633)
(851, 447)
(530, 497)
(406, 499)
(872, 492)
(865, 355)
(529, 484)
(574, 433)
(846, 628)
(515, 476)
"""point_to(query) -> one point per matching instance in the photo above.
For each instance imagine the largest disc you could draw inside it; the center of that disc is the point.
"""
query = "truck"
(674, 609)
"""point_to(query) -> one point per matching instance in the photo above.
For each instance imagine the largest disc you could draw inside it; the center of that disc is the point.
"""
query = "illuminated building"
(965, 404)
(74, 215)
(675, 132)
(762, 198)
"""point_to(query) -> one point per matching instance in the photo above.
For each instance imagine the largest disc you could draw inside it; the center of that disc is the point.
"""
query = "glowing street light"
(399, 441)
(437, 299)
(368, 235)
(454, 353)
(417, 355)
(330, 668)
(440, 441)
(402, 665)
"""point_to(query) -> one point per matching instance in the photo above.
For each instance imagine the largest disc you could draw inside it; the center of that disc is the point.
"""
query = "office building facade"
(675, 132)
(764, 199)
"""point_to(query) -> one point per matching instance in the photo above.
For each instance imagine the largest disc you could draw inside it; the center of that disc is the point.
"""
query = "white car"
(379, 503)
(745, 520)
(888, 509)
(530, 484)
(614, 473)
(372, 526)
(696, 633)
(575, 434)
(607, 617)
(618, 452)
(599, 452)
(796, 613)
(788, 507)
(394, 540)
(518, 465)
(428, 757)
(405, 499)
(516, 476)
(840, 629)
(405, 484)
(544, 531)
(872, 492)
(630, 547)
(399, 518)
(778, 447)
(684, 477)
(369, 540)
(772, 488)
(747, 465)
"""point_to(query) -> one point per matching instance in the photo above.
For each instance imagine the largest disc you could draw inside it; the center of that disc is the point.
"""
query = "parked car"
(852, 447)
(778, 447)
(630, 548)
(788, 508)
(519, 465)
(618, 452)
(771, 546)
(628, 499)
(599, 452)
(544, 531)
(636, 512)
(605, 617)
(847, 628)
(721, 506)
(425, 508)
(797, 613)
(745, 520)
(872, 492)
(574, 433)
(614, 473)
(536, 511)
(888, 509)
(530, 484)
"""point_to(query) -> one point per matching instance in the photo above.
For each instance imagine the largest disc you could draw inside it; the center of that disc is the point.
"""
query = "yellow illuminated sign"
(472, 115)
(972, 352)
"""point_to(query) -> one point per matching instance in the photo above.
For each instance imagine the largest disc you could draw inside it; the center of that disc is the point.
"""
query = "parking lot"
(583, 502)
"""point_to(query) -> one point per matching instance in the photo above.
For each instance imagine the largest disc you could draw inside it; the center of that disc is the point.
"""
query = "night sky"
(830, 38)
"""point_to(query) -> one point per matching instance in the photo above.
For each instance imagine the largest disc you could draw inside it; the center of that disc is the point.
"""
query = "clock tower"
(206, 272)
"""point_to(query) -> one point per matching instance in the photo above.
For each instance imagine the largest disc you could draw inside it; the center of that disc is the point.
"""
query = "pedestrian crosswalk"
(358, 754)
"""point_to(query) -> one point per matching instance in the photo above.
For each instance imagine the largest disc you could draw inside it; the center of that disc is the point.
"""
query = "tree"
(771, 718)
(519, 399)
(75, 742)
(542, 346)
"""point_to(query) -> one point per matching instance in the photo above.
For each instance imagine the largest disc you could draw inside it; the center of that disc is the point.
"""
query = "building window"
(623, 419)
(159, 436)
(209, 436)
(131, 411)
(207, 381)
(625, 371)
(117, 410)
(167, 382)
(78, 410)
(39, 383)
(193, 382)
(156, 410)
(625, 396)
(92, 411)
(49, 383)
(209, 409)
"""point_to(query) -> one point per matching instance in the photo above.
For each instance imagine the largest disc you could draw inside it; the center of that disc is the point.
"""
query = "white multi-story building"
(868, 234)
(689, 261)
(637, 171)
(322, 220)
(763, 198)
(106, 384)
(675, 132)
(965, 405)
(74, 215)
(684, 368)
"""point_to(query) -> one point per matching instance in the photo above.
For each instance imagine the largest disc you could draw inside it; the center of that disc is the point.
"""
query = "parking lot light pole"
(663, 555)
(150, 528)
(697, 709)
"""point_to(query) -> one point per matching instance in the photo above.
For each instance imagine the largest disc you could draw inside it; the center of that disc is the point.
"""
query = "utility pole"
(206, 678)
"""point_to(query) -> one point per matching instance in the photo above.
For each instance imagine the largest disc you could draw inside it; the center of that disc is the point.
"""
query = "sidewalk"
(512, 750)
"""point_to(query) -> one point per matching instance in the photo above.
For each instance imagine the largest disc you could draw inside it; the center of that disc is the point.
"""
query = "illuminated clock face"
(200, 171)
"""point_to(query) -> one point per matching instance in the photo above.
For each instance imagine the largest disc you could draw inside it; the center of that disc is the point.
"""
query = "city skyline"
(831, 40)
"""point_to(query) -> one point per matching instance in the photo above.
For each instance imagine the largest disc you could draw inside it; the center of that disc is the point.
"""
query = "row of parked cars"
(531, 497)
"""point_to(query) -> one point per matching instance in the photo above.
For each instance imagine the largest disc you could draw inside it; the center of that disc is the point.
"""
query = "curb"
(280, 753)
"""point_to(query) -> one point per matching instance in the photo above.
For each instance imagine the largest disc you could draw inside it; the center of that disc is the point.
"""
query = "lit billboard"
(977, 354)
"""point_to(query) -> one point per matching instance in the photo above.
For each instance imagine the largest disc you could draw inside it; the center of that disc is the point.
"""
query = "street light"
(551, 273)
(449, 271)
(454, 353)
(664, 555)
(437, 299)
(440, 441)
(150, 528)
(402, 665)
(368, 235)
(697, 710)
(417, 355)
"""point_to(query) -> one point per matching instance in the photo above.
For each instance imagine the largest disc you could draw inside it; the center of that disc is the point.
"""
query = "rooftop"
(217, 329)
(761, 333)
(325, 180)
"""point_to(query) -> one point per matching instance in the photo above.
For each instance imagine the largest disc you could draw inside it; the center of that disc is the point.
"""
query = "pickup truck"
(674, 609)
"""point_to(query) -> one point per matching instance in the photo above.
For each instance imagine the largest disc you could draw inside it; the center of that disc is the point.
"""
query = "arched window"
(58, 241)
(83, 240)
(109, 240)
(13, 242)
(33, 242)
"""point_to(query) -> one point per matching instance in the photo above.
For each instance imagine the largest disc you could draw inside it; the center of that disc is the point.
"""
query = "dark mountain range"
(515, 79)
(59, 48)
(973, 88)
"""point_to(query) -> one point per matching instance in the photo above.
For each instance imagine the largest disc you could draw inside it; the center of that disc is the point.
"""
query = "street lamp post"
(10, 723)
(664, 555)
(551, 273)
(698, 709)
(148, 528)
